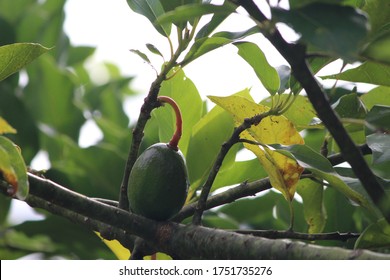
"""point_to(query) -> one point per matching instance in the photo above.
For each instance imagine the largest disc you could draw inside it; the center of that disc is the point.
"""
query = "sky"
(114, 29)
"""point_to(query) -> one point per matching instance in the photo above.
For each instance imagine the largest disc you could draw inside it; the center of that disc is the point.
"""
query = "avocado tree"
(317, 186)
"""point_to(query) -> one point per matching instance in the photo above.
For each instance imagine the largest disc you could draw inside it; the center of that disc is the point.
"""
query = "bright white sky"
(115, 29)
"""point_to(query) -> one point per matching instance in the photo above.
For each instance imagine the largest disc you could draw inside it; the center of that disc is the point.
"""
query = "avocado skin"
(158, 183)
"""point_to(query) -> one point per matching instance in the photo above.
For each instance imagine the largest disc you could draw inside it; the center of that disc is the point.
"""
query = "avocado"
(158, 182)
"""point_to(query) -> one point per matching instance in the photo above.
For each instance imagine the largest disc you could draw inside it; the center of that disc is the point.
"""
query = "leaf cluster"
(295, 150)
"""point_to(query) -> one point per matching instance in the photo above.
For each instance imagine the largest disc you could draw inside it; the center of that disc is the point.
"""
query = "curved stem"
(179, 121)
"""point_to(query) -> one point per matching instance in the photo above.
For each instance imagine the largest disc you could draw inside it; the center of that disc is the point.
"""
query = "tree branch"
(243, 190)
(235, 138)
(295, 54)
(180, 241)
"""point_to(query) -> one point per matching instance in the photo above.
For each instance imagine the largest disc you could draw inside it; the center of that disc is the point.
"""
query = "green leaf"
(322, 169)
(300, 3)
(377, 96)
(79, 54)
(377, 235)
(377, 47)
(16, 56)
(152, 10)
(209, 27)
(207, 44)
(51, 105)
(185, 13)
(13, 168)
(338, 30)
(73, 166)
(255, 57)
(379, 116)
(367, 72)
(339, 212)
(380, 146)
(5, 205)
(7, 30)
(238, 172)
(313, 205)
(5, 127)
(234, 36)
(185, 93)
(23, 122)
(379, 17)
(141, 55)
(208, 134)
(154, 50)
(350, 106)
(43, 23)
(170, 5)
(203, 46)
(107, 99)
(63, 238)
(13, 10)
(219, 221)
(268, 210)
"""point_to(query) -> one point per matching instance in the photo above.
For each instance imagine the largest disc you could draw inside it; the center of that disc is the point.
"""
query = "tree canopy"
(317, 187)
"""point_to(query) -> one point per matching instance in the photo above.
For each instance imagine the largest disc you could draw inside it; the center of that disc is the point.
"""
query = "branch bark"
(295, 54)
(180, 241)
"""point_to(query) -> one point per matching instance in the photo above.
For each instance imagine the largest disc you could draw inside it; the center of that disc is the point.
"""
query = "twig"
(243, 190)
(235, 138)
(295, 54)
(339, 158)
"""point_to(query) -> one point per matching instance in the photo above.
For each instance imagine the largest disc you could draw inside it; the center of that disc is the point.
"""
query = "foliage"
(295, 149)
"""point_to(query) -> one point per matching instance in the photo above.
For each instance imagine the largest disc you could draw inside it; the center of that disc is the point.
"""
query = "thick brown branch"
(235, 137)
(295, 54)
(181, 241)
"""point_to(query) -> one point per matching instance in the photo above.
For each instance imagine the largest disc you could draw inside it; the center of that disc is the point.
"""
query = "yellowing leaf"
(13, 168)
(271, 130)
(284, 172)
(120, 252)
(5, 127)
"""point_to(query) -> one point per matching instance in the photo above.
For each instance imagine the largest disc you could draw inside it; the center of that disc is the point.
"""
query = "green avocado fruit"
(158, 183)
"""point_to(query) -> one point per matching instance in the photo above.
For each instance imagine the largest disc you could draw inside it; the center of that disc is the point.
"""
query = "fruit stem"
(179, 122)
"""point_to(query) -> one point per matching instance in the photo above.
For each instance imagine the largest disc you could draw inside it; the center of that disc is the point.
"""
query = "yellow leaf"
(123, 253)
(271, 130)
(120, 252)
(284, 172)
(5, 127)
